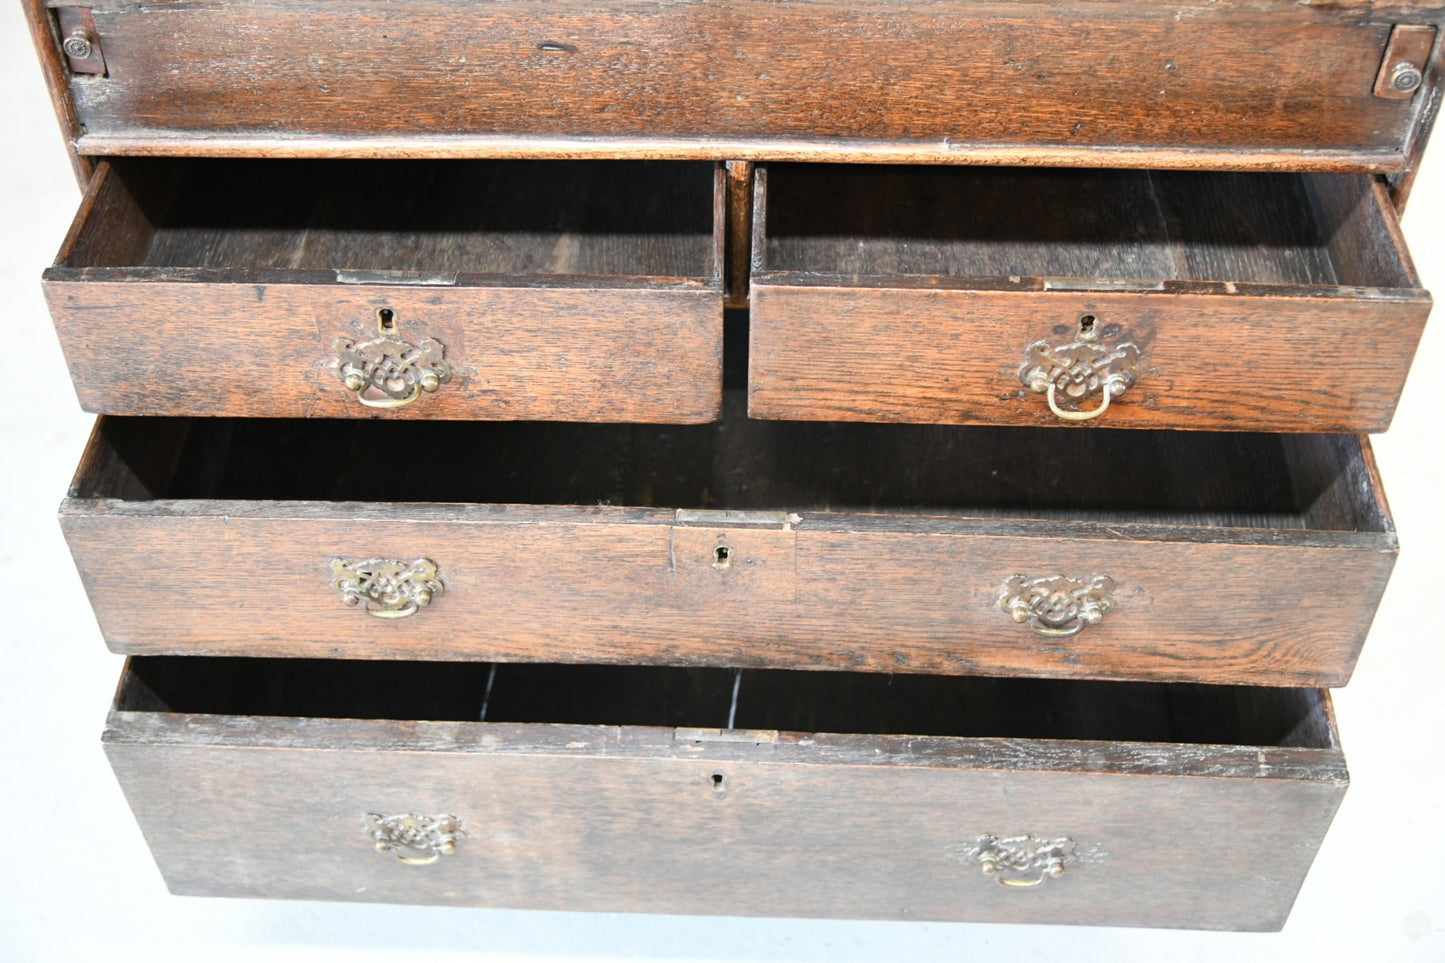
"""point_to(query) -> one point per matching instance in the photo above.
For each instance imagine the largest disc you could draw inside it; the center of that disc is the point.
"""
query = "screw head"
(1407, 78)
(77, 45)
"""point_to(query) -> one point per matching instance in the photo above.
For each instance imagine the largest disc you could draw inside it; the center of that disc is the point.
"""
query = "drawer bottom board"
(773, 793)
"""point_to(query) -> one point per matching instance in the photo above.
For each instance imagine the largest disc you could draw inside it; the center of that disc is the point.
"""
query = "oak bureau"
(783, 457)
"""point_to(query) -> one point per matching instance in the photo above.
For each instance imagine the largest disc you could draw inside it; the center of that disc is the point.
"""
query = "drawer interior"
(766, 699)
(1318, 482)
(547, 218)
(1144, 226)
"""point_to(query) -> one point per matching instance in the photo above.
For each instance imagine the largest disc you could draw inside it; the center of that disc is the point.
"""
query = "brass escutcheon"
(414, 840)
(386, 588)
(389, 372)
(1022, 862)
(1057, 606)
(1079, 370)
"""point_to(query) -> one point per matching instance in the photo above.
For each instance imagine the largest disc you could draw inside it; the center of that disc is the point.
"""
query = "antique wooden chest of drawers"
(822, 458)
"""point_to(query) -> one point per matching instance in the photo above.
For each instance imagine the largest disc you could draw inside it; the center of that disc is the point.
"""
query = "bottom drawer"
(741, 792)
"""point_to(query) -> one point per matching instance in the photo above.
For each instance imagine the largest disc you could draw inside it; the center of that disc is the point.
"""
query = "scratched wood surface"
(1174, 796)
(583, 292)
(874, 547)
(1248, 296)
(1213, 83)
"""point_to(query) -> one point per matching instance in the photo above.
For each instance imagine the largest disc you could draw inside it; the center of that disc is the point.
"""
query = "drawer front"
(1095, 595)
(1246, 82)
(674, 820)
(188, 303)
(1212, 302)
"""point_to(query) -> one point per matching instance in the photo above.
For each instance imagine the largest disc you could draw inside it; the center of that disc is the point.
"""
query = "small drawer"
(425, 289)
(713, 791)
(1261, 302)
(919, 549)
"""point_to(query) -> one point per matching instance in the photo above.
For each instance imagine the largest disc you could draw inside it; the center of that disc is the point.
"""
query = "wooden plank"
(877, 827)
(1233, 77)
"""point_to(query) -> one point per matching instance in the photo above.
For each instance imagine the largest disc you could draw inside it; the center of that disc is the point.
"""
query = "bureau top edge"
(1348, 85)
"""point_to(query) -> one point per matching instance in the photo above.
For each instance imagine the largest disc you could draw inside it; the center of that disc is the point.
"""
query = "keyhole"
(719, 783)
(1086, 326)
(722, 557)
(385, 320)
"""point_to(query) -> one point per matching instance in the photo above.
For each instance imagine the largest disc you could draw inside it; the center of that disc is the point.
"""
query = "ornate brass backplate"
(389, 372)
(1082, 369)
(1057, 606)
(386, 588)
(415, 840)
(1022, 861)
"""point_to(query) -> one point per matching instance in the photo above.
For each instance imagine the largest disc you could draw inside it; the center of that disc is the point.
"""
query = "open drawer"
(774, 793)
(1263, 302)
(921, 549)
(448, 290)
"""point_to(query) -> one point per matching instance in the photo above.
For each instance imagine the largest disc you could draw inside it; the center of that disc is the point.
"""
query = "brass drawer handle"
(389, 372)
(386, 588)
(1057, 606)
(1014, 860)
(1079, 370)
(414, 840)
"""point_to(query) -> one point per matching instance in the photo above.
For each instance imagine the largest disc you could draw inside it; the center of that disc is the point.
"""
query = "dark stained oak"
(624, 789)
(580, 292)
(1280, 302)
(1237, 81)
(872, 547)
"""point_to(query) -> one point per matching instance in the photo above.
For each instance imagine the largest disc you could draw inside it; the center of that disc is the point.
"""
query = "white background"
(77, 882)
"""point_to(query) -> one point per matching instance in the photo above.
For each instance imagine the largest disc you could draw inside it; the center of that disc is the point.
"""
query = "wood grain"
(1238, 77)
(57, 80)
(917, 300)
(579, 292)
(608, 818)
(896, 565)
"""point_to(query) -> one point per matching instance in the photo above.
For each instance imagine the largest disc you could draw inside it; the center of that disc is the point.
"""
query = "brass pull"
(389, 372)
(1079, 370)
(414, 840)
(1013, 860)
(386, 588)
(1057, 606)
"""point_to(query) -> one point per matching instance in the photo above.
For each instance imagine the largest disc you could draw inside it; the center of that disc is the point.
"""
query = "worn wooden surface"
(44, 34)
(1230, 77)
(917, 299)
(576, 292)
(883, 548)
(597, 817)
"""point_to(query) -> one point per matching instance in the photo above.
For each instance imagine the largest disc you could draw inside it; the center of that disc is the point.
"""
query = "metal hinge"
(1407, 57)
(79, 41)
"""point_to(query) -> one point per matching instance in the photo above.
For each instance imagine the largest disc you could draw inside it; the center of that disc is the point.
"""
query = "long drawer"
(444, 289)
(1258, 302)
(922, 549)
(1264, 83)
(715, 791)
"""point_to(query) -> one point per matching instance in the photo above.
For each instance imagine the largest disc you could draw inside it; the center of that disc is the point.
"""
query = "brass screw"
(77, 45)
(1407, 78)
